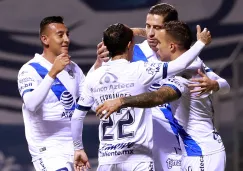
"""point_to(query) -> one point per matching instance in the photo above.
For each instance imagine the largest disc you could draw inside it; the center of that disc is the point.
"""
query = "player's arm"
(170, 91)
(139, 32)
(33, 93)
(80, 157)
(84, 105)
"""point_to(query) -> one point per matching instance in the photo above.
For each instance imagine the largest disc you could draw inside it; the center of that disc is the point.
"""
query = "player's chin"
(64, 50)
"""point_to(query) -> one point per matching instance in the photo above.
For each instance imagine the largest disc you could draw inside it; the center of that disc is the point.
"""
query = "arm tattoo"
(165, 94)
(139, 32)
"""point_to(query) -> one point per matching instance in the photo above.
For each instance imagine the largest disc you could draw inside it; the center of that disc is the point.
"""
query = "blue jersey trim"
(138, 54)
(175, 88)
(165, 70)
(82, 108)
(208, 70)
(26, 91)
(63, 169)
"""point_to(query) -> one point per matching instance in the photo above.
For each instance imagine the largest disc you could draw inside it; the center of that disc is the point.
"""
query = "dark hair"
(179, 32)
(48, 20)
(165, 10)
(116, 38)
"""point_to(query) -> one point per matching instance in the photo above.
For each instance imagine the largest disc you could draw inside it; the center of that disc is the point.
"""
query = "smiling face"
(165, 46)
(154, 23)
(56, 38)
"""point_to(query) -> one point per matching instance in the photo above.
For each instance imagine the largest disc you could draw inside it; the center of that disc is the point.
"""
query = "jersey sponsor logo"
(68, 104)
(152, 68)
(24, 86)
(172, 162)
(175, 81)
(43, 167)
(112, 87)
(70, 72)
(216, 136)
(26, 79)
(201, 163)
(108, 78)
(116, 149)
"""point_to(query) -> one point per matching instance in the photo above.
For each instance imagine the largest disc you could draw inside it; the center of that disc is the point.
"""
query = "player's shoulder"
(76, 67)
(177, 81)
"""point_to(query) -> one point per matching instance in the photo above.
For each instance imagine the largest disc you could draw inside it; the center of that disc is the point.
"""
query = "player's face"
(164, 46)
(154, 23)
(58, 38)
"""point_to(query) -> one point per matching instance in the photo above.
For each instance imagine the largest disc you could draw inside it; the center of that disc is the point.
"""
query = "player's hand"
(204, 36)
(81, 161)
(59, 64)
(204, 84)
(102, 52)
(108, 107)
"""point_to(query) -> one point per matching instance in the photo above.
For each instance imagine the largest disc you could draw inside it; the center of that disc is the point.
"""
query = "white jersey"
(162, 115)
(125, 136)
(194, 116)
(48, 129)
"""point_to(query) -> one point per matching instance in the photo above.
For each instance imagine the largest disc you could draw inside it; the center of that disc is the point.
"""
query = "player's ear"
(129, 45)
(172, 47)
(44, 39)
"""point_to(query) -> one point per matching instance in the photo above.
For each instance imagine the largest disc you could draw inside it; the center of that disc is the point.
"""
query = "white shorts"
(54, 163)
(213, 162)
(133, 166)
(167, 161)
(166, 149)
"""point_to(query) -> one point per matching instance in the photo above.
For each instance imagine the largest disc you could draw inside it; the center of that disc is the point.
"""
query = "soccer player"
(126, 137)
(49, 85)
(167, 153)
(202, 147)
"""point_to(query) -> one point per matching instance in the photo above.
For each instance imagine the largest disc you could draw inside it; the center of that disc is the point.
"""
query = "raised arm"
(33, 93)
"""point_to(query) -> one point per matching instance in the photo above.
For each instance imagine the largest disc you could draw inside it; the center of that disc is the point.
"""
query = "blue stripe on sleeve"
(175, 88)
(82, 108)
(165, 69)
(26, 91)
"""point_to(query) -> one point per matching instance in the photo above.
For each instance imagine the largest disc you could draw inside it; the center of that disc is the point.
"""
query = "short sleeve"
(178, 84)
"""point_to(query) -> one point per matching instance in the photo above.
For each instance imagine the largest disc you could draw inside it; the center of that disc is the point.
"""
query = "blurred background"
(86, 19)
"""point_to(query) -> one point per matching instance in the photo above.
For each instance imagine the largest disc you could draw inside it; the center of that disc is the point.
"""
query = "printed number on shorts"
(127, 120)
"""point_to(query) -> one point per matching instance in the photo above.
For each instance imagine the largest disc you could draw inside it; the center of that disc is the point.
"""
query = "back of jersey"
(127, 134)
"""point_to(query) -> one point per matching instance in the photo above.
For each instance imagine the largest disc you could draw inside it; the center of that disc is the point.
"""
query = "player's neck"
(177, 54)
(49, 56)
(123, 56)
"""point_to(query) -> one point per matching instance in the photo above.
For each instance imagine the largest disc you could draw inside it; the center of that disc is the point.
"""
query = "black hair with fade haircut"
(180, 33)
(48, 20)
(116, 38)
(167, 11)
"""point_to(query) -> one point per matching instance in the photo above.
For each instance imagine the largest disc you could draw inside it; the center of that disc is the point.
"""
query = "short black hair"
(179, 32)
(116, 38)
(165, 10)
(48, 20)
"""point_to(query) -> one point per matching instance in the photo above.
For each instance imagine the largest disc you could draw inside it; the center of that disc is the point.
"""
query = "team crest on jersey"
(108, 78)
(68, 103)
(70, 72)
